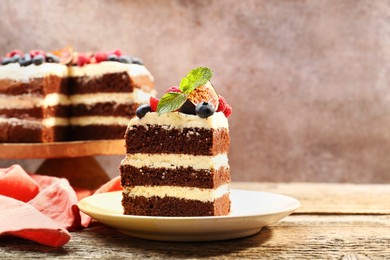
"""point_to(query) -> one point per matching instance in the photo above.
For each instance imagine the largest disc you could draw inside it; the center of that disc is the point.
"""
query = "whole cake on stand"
(176, 162)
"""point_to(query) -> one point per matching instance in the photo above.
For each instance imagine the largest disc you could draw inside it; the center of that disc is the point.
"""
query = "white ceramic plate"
(250, 211)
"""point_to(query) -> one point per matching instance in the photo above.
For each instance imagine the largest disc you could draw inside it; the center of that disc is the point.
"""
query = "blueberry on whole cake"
(177, 153)
(33, 98)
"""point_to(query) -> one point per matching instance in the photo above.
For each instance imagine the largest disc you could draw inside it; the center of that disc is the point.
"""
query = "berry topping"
(83, 59)
(204, 109)
(117, 52)
(25, 60)
(173, 89)
(221, 104)
(142, 110)
(38, 59)
(34, 53)
(6, 61)
(228, 110)
(136, 60)
(187, 108)
(153, 103)
(125, 59)
(51, 58)
(101, 56)
(112, 57)
(15, 52)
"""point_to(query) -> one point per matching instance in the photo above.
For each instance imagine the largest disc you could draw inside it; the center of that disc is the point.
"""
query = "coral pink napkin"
(42, 208)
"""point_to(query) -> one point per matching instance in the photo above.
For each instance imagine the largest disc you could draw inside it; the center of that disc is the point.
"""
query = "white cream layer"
(137, 96)
(31, 101)
(180, 120)
(172, 161)
(99, 120)
(47, 122)
(105, 67)
(14, 71)
(188, 193)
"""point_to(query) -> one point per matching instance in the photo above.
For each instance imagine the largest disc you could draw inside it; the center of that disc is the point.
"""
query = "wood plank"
(295, 237)
(329, 198)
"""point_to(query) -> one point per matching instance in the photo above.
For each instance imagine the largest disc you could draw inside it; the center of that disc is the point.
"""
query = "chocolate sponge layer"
(195, 141)
(180, 176)
(170, 206)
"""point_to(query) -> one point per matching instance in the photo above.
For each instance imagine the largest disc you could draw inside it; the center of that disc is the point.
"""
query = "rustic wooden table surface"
(335, 221)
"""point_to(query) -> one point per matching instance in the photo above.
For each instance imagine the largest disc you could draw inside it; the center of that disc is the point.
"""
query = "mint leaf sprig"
(172, 101)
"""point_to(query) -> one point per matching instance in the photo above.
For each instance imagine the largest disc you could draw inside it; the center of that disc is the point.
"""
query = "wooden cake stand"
(72, 160)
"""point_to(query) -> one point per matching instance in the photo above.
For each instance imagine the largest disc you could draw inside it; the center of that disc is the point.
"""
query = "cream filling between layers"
(99, 120)
(47, 122)
(105, 67)
(187, 193)
(137, 96)
(30, 101)
(172, 161)
(14, 71)
(180, 120)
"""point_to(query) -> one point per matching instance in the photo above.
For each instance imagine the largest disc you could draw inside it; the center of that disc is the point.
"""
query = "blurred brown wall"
(308, 80)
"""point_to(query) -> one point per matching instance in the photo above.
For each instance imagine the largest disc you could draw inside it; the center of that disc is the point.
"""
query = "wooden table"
(336, 221)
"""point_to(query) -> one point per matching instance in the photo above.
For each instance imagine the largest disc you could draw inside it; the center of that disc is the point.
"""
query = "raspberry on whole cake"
(176, 162)
(33, 98)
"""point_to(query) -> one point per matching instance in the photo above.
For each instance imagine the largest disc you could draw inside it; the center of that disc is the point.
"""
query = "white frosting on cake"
(47, 122)
(188, 193)
(180, 120)
(13, 71)
(99, 120)
(137, 96)
(30, 101)
(172, 161)
(105, 67)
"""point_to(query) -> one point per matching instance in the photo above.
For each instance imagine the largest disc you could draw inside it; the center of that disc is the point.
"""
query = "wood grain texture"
(62, 149)
(341, 235)
(327, 198)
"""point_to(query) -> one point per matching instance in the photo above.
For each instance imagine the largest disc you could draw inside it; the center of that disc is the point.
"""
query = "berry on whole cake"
(177, 152)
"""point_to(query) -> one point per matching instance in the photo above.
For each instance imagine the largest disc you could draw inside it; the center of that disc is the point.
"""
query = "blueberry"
(6, 61)
(112, 57)
(38, 59)
(125, 59)
(188, 108)
(25, 60)
(15, 58)
(142, 110)
(204, 109)
(136, 60)
(51, 58)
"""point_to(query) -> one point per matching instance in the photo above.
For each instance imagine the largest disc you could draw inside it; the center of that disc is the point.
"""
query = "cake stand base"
(81, 172)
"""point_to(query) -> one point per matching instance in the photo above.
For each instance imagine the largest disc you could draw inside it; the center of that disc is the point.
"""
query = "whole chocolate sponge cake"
(176, 162)
(67, 95)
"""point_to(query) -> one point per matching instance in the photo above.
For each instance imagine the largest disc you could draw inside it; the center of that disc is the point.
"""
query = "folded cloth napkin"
(42, 208)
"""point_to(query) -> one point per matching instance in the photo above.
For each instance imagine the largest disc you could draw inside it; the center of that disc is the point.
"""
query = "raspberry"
(221, 104)
(100, 56)
(15, 52)
(34, 53)
(153, 103)
(173, 89)
(83, 59)
(228, 110)
(117, 52)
